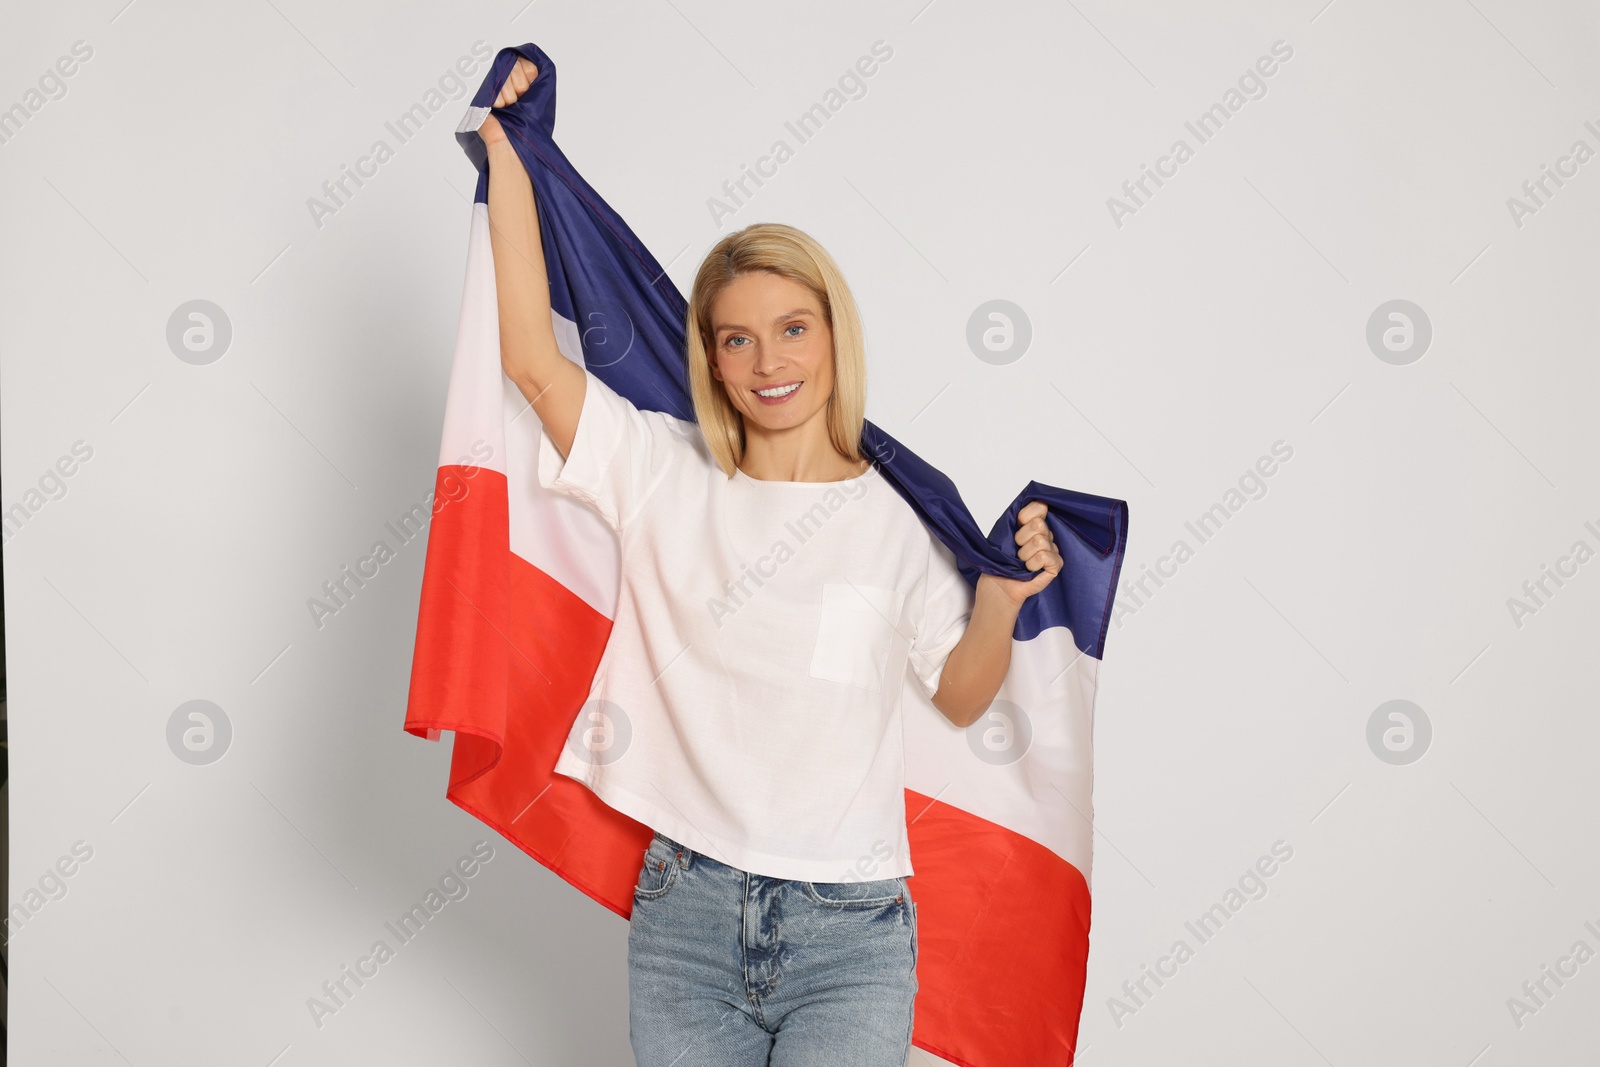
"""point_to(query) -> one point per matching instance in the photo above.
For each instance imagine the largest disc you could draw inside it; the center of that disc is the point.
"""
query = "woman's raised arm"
(553, 384)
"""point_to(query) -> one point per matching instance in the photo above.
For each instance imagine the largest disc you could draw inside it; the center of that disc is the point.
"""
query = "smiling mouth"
(778, 394)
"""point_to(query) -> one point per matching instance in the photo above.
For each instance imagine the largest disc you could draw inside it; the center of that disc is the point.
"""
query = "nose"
(768, 360)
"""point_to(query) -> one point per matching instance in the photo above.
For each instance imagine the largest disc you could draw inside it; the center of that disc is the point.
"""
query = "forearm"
(977, 665)
(528, 351)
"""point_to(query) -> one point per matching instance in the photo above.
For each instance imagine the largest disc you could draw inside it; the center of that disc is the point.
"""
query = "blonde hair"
(793, 254)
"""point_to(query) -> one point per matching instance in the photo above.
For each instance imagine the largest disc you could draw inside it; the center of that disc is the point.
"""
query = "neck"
(777, 458)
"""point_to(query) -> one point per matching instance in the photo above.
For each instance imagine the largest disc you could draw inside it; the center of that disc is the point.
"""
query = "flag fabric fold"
(520, 586)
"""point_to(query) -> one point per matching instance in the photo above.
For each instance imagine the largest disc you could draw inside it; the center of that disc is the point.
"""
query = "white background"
(1168, 354)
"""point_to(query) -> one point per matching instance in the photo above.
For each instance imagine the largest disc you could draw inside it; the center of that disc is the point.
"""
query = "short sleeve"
(946, 608)
(620, 454)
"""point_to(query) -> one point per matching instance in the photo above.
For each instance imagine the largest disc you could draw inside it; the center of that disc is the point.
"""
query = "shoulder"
(681, 435)
(903, 521)
(676, 431)
(684, 457)
(896, 526)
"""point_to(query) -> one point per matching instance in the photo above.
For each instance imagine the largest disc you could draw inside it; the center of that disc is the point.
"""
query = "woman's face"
(769, 332)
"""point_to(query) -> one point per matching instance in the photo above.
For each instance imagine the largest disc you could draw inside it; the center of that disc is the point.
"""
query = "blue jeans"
(732, 969)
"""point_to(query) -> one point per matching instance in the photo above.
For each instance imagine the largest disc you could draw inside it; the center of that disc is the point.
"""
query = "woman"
(774, 591)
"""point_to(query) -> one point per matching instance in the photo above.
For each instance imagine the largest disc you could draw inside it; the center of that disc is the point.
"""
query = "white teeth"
(782, 391)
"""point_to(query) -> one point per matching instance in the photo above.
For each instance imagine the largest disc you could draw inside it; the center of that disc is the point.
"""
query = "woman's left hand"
(1036, 549)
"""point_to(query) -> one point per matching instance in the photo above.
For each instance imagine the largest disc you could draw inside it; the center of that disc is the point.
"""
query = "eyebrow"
(796, 313)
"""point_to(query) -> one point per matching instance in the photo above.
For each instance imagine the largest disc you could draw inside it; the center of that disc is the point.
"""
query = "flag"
(520, 587)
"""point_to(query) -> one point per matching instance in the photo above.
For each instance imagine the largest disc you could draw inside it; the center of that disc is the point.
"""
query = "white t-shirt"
(748, 700)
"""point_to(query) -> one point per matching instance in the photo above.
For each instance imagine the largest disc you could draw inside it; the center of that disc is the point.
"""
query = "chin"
(785, 416)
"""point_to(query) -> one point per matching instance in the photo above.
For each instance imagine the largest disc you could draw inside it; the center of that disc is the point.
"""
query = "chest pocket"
(857, 633)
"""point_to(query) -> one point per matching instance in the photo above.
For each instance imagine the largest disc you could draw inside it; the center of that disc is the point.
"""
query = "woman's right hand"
(516, 83)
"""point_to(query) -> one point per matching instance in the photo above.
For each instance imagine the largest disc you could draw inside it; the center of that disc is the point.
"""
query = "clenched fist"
(511, 91)
(1038, 552)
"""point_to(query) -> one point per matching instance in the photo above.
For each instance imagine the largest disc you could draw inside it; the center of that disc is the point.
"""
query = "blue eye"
(795, 326)
(735, 337)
